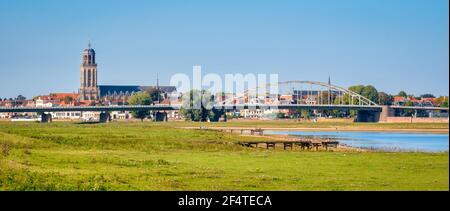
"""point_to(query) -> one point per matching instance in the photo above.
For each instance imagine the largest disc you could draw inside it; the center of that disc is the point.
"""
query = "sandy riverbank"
(283, 138)
(340, 129)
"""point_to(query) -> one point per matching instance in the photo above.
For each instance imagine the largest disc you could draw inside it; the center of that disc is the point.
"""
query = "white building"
(120, 115)
(72, 115)
(259, 113)
(5, 115)
(43, 103)
(90, 115)
(175, 115)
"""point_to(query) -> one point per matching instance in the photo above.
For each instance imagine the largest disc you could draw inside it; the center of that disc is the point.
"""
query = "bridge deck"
(225, 107)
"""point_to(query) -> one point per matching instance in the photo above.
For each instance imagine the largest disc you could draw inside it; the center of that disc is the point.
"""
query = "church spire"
(157, 81)
(157, 87)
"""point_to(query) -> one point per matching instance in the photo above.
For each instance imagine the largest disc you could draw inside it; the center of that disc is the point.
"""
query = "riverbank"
(439, 131)
(290, 125)
(378, 136)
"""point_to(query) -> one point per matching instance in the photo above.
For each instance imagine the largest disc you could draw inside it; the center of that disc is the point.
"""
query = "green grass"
(161, 156)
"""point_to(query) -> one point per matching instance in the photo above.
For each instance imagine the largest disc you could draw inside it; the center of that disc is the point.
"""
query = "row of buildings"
(91, 93)
(422, 102)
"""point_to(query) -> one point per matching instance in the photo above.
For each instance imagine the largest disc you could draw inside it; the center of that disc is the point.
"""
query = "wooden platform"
(301, 144)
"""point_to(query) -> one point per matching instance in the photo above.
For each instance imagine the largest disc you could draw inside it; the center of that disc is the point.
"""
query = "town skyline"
(393, 46)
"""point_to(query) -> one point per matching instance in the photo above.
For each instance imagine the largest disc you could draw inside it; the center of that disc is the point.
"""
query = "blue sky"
(391, 44)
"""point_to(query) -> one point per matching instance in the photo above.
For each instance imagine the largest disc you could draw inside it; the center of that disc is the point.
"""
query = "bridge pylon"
(105, 117)
(46, 118)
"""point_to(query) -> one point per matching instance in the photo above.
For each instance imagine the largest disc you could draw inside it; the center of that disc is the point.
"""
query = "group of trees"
(301, 113)
(68, 99)
(19, 97)
(442, 101)
(382, 98)
(198, 106)
(147, 97)
(369, 92)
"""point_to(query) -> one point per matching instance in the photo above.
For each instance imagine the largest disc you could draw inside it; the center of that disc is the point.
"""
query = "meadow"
(165, 156)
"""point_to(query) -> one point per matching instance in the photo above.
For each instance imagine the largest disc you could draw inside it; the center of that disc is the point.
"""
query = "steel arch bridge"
(310, 93)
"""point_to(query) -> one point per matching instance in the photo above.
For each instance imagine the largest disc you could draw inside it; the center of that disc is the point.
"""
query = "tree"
(198, 107)
(444, 103)
(215, 114)
(402, 93)
(385, 99)
(357, 89)
(408, 112)
(325, 97)
(370, 93)
(427, 96)
(337, 113)
(305, 114)
(21, 97)
(440, 101)
(154, 94)
(281, 115)
(140, 98)
(68, 99)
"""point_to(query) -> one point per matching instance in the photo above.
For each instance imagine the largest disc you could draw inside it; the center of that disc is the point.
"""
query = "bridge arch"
(335, 94)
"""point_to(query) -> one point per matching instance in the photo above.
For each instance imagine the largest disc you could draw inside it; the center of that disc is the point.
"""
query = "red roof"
(61, 96)
(399, 99)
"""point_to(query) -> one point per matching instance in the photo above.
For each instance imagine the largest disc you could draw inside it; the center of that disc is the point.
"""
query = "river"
(385, 141)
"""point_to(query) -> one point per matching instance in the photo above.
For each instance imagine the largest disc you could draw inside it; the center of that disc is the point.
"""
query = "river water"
(386, 141)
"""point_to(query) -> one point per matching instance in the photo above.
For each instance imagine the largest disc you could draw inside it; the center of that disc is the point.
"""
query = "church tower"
(88, 75)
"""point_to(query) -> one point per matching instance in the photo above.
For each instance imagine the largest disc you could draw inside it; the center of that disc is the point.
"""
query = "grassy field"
(162, 156)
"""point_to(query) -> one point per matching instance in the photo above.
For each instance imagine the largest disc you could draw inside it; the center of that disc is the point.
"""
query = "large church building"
(91, 91)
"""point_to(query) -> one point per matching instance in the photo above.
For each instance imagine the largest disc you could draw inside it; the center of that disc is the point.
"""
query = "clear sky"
(391, 44)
